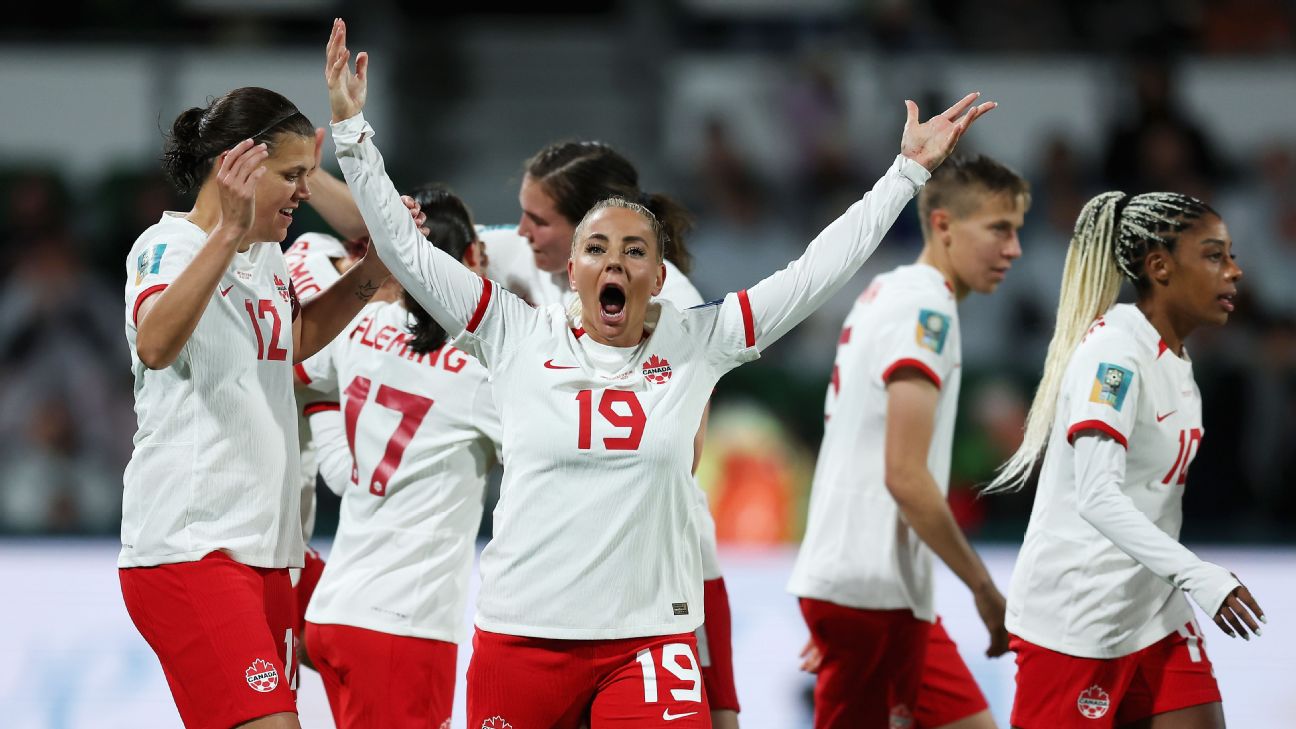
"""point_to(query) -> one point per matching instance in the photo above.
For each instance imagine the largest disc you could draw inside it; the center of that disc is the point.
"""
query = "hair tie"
(277, 122)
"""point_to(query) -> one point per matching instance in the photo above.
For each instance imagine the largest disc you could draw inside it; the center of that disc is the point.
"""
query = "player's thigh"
(650, 682)
(209, 624)
(949, 696)
(1203, 716)
(528, 682)
(1058, 691)
(395, 681)
(275, 721)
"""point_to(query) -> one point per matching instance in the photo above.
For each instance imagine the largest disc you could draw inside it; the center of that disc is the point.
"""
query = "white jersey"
(215, 460)
(858, 551)
(1097, 574)
(422, 429)
(593, 535)
(310, 267)
(512, 264)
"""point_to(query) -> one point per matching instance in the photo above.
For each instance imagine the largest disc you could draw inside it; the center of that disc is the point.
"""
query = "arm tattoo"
(366, 290)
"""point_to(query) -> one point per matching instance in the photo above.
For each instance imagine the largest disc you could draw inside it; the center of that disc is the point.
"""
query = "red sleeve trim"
(913, 364)
(749, 327)
(481, 306)
(1099, 426)
(300, 371)
(320, 407)
(142, 297)
(579, 332)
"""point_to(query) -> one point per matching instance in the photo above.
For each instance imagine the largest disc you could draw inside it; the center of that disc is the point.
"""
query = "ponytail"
(1113, 236)
(450, 228)
(676, 223)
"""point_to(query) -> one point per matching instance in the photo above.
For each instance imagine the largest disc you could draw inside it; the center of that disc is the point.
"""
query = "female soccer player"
(210, 518)
(878, 509)
(421, 428)
(561, 183)
(591, 587)
(1102, 634)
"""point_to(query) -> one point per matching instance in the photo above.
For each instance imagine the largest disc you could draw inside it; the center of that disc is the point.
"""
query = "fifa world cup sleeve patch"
(932, 329)
(149, 262)
(1111, 385)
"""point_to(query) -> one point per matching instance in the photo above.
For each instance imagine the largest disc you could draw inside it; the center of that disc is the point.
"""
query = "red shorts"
(1058, 690)
(715, 648)
(886, 668)
(308, 578)
(376, 679)
(222, 631)
(521, 682)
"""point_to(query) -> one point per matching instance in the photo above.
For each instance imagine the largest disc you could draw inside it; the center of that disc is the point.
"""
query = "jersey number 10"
(1189, 442)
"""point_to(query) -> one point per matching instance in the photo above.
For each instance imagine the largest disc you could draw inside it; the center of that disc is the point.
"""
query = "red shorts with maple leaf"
(1058, 690)
(222, 631)
(515, 682)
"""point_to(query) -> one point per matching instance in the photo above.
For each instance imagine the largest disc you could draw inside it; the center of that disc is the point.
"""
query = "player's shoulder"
(500, 236)
(1114, 335)
(171, 229)
(678, 289)
(316, 244)
(908, 292)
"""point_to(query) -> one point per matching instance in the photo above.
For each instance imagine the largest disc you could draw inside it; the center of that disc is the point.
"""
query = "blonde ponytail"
(1090, 284)
(1113, 235)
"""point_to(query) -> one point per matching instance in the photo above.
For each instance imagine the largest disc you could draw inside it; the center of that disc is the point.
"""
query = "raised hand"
(236, 182)
(347, 90)
(1235, 615)
(416, 212)
(930, 142)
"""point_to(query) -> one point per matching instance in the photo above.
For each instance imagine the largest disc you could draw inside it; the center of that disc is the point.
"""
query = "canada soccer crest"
(281, 287)
(1093, 702)
(657, 370)
(496, 722)
(262, 676)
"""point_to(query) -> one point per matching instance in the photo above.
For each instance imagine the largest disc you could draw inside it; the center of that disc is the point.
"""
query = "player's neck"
(1173, 332)
(206, 213)
(931, 256)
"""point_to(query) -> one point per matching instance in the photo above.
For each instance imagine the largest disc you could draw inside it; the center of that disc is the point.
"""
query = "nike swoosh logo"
(549, 365)
(227, 290)
(667, 716)
(1163, 417)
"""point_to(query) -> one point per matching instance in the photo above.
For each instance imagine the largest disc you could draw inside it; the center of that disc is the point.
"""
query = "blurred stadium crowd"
(66, 417)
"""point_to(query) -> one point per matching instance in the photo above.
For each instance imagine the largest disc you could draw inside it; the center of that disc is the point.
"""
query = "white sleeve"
(457, 298)
(784, 299)
(1100, 471)
(328, 435)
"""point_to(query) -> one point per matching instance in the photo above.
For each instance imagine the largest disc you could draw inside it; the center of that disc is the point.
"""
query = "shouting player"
(561, 183)
(210, 519)
(1102, 634)
(878, 506)
(591, 587)
(420, 430)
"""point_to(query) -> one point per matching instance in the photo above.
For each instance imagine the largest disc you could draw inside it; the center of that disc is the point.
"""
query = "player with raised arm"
(211, 520)
(878, 506)
(591, 587)
(420, 431)
(1102, 633)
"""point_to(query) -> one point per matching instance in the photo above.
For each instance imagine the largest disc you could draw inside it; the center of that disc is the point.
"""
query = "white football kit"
(593, 537)
(422, 429)
(1101, 569)
(310, 266)
(858, 551)
(215, 460)
(512, 264)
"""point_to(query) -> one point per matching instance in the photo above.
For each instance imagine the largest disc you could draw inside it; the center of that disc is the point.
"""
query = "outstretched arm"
(453, 295)
(786, 298)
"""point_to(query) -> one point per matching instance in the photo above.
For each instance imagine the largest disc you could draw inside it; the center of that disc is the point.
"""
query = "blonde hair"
(1113, 236)
(658, 231)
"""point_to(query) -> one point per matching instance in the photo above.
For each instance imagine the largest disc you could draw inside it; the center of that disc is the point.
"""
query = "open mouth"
(286, 214)
(612, 301)
(1226, 301)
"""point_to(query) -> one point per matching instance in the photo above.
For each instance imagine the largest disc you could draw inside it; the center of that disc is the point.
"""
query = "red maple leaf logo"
(262, 676)
(657, 370)
(1093, 702)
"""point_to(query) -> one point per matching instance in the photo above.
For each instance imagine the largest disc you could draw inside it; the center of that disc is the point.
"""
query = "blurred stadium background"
(767, 118)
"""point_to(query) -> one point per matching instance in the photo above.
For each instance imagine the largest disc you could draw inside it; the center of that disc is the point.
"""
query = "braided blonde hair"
(1112, 237)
